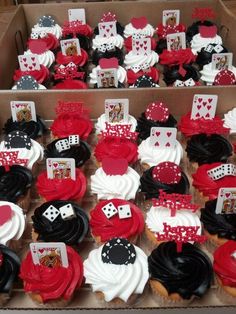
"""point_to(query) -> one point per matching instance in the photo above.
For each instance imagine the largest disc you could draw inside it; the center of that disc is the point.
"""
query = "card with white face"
(176, 41)
(222, 61)
(204, 106)
(117, 110)
(29, 62)
(170, 17)
(163, 137)
(141, 46)
(61, 168)
(107, 29)
(51, 254)
(107, 78)
(23, 111)
(226, 201)
(77, 15)
(70, 47)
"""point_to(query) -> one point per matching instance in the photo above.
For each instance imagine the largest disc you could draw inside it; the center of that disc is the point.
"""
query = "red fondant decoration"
(111, 63)
(5, 214)
(8, 159)
(119, 130)
(68, 72)
(208, 31)
(71, 107)
(182, 71)
(157, 111)
(139, 22)
(108, 17)
(38, 46)
(167, 172)
(203, 13)
(114, 166)
(225, 77)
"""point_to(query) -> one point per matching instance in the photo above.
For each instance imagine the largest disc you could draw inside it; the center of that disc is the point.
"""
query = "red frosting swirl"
(206, 185)
(53, 283)
(177, 57)
(50, 40)
(77, 29)
(225, 264)
(66, 124)
(162, 31)
(40, 75)
(107, 229)
(71, 84)
(114, 147)
(80, 60)
(152, 72)
(57, 189)
(128, 43)
(191, 127)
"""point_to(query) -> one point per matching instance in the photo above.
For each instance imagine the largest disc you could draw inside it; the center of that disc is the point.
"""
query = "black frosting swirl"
(144, 125)
(9, 269)
(205, 149)
(31, 128)
(194, 29)
(205, 57)
(116, 53)
(188, 273)
(224, 225)
(151, 187)
(81, 153)
(14, 183)
(161, 45)
(171, 74)
(119, 29)
(70, 232)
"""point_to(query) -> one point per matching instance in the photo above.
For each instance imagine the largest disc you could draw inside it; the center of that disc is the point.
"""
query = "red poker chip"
(157, 111)
(225, 77)
(167, 172)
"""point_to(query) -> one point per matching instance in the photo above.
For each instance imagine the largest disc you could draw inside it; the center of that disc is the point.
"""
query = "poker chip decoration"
(118, 251)
(17, 139)
(46, 21)
(145, 81)
(167, 172)
(157, 111)
(225, 77)
(27, 82)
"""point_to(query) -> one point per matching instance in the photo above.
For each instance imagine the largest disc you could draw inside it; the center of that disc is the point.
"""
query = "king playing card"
(70, 47)
(23, 111)
(61, 168)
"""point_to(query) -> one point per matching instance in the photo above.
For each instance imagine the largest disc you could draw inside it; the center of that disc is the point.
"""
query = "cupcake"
(48, 39)
(71, 230)
(193, 29)
(139, 26)
(78, 59)
(144, 81)
(9, 270)
(117, 272)
(208, 74)
(178, 278)
(47, 24)
(204, 56)
(142, 61)
(134, 73)
(177, 57)
(52, 285)
(108, 224)
(180, 73)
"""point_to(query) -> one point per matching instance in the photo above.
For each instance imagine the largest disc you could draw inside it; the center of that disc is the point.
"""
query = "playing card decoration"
(139, 22)
(17, 139)
(203, 14)
(71, 108)
(107, 29)
(61, 168)
(222, 61)
(29, 63)
(120, 131)
(117, 110)
(107, 75)
(46, 21)
(77, 15)
(5, 214)
(222, 171)
(23, 111)
(68, 72)
(188, 83)
(141, 46)
(157, 111)
(226, 201)
(204, 106)
(167, 172)
(161, 137)
(175, 202)
(8, 159)
(225, 77)
(70, 47)
(170, 17)
(27, 82)
(208, 31)
(176, 41)
(113, 167)
(118, 251)
(108, 17)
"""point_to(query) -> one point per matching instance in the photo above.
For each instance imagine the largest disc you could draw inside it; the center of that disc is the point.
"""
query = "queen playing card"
(107, 78)
(23, 111)
(163, 137)
(61, 168)
(176, 41)
(117, 110)
(170, 17)
(204, 106)
(70, 47)
(222, 61)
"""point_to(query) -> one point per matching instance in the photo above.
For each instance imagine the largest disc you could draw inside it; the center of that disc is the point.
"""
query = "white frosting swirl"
(117, 41)
(101, 126)
(13, 228)
(47, 58)
(35, 153)
(55, 30)
(115, 186)
(208, 75)
(198, 42)
(121, 75)
(40, 86)
(116, 281)
(152, 155)
(132, 59)
(129, 30)
(230, 120)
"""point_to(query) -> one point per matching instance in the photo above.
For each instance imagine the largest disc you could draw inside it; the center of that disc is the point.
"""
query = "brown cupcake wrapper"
(36, 298)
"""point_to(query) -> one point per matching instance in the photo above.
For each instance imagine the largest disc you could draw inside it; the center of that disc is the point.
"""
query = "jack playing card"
(77, 15)
(141, 46)
(51, 254)
(107, 78)
(204, 106)
(170, 17)
(61, 168)
(29, 62)
(70, 47)
(222, 61)
(23, 111)
(163, 137)
(226, 201)
(107, 29)
(117, 110)
(176, 41)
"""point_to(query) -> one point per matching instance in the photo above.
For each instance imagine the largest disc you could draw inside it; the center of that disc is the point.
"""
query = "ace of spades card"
(23, 111)
(226, 201)
(51, 254)
(77, 15)
(222, 61)
(70, 47)
(29, 62)
(176, 41)
(61, 168)
(107, 78)
(141, 46)
(204, 106)
(163, 137)
(170, 17)
(117, 110)
(107, 29)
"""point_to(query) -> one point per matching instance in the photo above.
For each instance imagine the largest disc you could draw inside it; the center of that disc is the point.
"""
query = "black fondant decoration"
(46, 21)
(27, 82)
(145, 81)
(17, 139)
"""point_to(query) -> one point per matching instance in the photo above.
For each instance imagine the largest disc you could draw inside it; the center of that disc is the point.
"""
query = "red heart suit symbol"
(227, 195)
(112, 166)
(139, 22)
(41, 251)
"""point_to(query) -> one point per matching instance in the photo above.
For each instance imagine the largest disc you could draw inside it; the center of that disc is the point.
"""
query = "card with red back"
(204, 106)
(51, 254)
(226, 201)
(163, 137)
(141, 46)
(176, 41)
(61, 168)
(23, 111)
(107, 78)
(107, 29)
(222, 61)
(70, 47)
(117, 110)
(170, 17)
(29, 62)
(76, 15)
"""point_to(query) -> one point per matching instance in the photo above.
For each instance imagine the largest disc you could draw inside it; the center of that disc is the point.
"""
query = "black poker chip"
(145, 81)
(17, 139)
(27, 82)
(118, 251)
(46, 21)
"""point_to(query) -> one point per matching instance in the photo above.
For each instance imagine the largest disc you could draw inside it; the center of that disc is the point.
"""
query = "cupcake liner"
(49, 304)
(24, 202)
(150, 241)
(223, 296)
(4, 298)
(16, 245)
